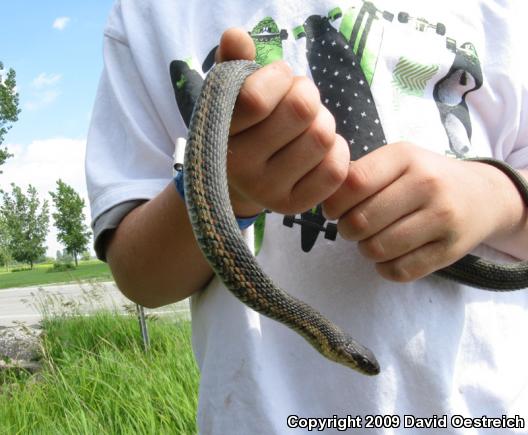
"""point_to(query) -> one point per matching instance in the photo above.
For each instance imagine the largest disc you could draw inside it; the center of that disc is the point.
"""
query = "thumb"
(235, 44)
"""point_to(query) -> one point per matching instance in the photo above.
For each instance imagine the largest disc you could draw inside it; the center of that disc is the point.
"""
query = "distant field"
(87, 270)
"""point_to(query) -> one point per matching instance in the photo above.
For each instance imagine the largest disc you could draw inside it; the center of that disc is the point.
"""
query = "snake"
(223, 245)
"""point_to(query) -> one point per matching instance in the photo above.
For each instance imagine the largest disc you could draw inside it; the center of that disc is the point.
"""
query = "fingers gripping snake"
(220, 239)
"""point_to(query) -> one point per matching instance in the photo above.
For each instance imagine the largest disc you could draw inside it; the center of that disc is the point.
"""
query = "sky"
(55, 47)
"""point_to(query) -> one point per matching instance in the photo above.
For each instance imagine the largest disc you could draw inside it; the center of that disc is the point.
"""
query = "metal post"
(143, 327)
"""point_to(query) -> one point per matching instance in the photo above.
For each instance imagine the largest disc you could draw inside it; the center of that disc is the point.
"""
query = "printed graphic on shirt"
(464, 76)
(268, 41)
(187, 84)
(344, 89)
(335, 59)
(421, 24)
(411, 78)
(312, 223)
(360, 26)
(343, 65)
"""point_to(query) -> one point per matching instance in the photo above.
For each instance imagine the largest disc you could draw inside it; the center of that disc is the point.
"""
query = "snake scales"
(219, 238)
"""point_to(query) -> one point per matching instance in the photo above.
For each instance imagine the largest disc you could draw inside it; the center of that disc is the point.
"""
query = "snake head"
(358, 357)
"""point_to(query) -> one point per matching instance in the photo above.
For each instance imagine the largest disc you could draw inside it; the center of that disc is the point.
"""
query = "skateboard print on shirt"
(342, 62)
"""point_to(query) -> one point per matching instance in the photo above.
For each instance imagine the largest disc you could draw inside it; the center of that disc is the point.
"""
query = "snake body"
(220, 239)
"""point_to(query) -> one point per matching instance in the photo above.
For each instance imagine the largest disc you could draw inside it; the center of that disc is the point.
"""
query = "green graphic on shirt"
(342, 59)
(361, 28)
(268, 41)
(411, 78)
(180, 84)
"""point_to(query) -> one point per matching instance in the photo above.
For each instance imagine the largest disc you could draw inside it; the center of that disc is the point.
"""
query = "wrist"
(242, 207)
(503, 202)
(244, 220)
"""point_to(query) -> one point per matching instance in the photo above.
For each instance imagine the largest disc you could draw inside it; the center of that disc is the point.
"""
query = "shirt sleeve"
(107, 222)
(135, 124)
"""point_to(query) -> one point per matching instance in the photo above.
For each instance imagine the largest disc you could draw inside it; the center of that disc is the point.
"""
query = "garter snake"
(220, 239)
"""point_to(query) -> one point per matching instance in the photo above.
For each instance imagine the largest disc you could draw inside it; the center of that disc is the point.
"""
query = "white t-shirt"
(448, 76)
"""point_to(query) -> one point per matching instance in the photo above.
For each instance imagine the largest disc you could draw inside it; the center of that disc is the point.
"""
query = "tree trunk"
(75, 257)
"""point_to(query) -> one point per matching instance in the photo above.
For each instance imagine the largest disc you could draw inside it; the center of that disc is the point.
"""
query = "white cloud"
(44, 80)
(41, 164)
(60, 23)
(42, 99)
(44, 92)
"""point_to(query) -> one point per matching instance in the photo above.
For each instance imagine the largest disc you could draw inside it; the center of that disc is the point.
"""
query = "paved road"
(17, 305)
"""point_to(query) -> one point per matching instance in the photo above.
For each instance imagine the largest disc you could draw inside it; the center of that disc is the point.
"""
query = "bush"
(61, 267)
(21, 269)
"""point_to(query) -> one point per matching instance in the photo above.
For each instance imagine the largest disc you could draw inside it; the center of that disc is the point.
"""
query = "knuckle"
(286, 206)
(330, 209)
(447, 215)
(322, 132)
(394, 271)
(357, 179)
(335, 172)
(253, 100)
(372, 249)
(303, 100)
(431, 182)
(357, 222)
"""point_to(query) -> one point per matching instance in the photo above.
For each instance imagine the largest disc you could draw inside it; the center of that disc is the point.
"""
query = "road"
(18, 304)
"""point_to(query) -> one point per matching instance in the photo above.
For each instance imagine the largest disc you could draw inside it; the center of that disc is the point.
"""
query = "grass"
(98, 379)
(87, 270)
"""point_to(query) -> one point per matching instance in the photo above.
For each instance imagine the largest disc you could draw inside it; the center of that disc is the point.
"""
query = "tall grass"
(98, 380)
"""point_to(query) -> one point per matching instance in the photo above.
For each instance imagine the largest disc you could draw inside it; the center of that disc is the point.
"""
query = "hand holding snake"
(213, 195)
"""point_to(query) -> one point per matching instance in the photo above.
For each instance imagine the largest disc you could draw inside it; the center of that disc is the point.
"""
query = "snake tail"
(218, 234)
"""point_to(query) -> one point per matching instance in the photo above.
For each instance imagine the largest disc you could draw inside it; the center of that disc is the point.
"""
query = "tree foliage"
(25, 223)
(69, 220)
(5, 256)
(9, 108)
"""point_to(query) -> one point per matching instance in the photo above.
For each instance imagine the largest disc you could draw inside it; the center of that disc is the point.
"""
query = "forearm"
(153, 254)
(512, 234)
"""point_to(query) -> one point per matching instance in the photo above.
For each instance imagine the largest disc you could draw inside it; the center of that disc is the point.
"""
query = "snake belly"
(219, 237)
(218, 234)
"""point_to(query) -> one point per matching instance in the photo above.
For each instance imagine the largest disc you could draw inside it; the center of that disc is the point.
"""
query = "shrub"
(61, 267)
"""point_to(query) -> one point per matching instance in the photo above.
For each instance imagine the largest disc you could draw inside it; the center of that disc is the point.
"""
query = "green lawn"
(87, 270)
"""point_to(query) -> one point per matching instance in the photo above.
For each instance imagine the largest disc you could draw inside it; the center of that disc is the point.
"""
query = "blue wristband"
(243, 223)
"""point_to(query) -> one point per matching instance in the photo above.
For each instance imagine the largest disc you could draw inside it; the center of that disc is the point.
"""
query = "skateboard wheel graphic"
(335, 14)
(403, 17)
(288, 220)
(330, 231)
(388, 16)
(440, 29)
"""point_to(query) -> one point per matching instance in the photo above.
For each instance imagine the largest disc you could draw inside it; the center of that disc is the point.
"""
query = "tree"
(5, 255)
(69, 220)
(9, 109)
(26, 223)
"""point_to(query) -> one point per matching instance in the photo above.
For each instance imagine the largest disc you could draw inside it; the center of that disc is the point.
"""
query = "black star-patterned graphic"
(343, 87)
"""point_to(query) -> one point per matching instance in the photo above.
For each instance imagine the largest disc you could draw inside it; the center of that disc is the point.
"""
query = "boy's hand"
(284, 154)
(414, 211)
